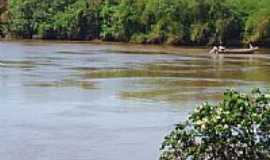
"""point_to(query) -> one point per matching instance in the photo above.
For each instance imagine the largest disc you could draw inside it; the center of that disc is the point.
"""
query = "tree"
(258, 24)
(237, 128)
(192, 22)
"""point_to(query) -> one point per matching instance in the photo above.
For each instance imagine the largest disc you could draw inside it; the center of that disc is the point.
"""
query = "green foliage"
(238, 128)
(61, 19)
(145, 21)
(258, 24)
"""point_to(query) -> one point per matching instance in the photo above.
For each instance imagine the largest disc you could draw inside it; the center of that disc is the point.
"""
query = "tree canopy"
(193, 22)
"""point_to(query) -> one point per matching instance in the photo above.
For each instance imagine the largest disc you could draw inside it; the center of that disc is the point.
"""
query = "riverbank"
(124, 47)
(134, 48)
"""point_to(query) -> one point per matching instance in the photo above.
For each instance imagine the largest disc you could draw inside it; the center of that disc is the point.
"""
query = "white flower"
(205, 120)
(203, 127)
(202, 105)
(199, 122)
(254, 114)
(267, 96)
(197, 110)
(243, 95)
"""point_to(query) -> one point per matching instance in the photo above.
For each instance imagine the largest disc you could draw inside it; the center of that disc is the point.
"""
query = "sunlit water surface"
(78, 101)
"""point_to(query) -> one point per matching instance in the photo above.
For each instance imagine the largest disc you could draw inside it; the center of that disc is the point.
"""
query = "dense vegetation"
(236, 129)
(176, 22)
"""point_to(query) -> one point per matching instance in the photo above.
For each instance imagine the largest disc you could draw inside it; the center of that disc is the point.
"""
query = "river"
(81, 101)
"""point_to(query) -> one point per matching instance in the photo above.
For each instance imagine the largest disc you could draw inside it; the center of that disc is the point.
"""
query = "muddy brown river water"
(81, 101)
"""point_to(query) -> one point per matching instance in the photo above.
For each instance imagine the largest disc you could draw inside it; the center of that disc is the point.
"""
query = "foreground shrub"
(237, 128)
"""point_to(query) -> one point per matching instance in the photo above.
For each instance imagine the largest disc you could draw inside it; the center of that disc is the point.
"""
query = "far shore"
(135, 48)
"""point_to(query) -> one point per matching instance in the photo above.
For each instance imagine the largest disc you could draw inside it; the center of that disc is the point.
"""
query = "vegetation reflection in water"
(229, 70)
(17, 64)
(197, 79)
(193, 76)
(66, 83)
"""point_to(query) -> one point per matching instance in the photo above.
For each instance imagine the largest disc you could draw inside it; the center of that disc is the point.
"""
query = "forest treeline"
(177, 22)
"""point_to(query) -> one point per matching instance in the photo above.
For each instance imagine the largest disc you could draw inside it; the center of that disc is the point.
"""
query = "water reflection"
(65, 83)
(17, 64)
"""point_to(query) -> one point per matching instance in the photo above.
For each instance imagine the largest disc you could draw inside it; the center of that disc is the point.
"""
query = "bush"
(237, 128)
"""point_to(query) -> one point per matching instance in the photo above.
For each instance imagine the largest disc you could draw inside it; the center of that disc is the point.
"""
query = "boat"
(234, 51)
(238, 51)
